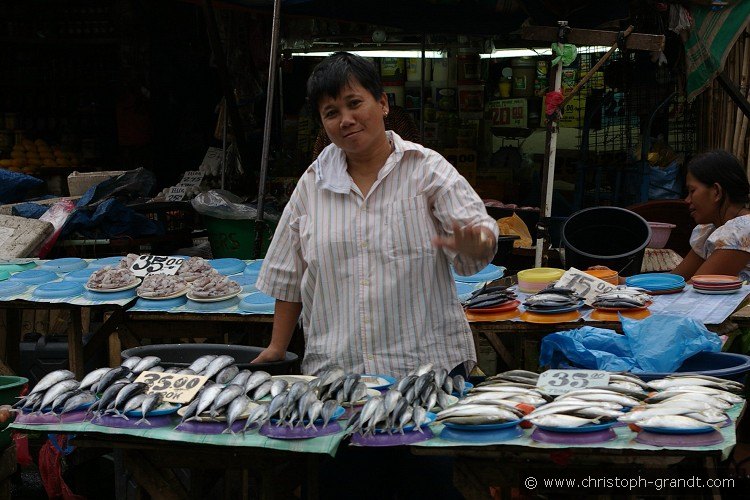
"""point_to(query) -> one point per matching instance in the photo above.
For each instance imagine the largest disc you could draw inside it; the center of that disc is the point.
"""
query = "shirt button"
(365, 320)
(364, 208)
(364, 282)
(363, 244)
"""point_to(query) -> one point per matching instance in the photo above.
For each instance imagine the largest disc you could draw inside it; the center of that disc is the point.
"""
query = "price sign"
(175, 387)
(556, 382)
(191, 178)
(176, 193)
(585, 285)
(156, 264)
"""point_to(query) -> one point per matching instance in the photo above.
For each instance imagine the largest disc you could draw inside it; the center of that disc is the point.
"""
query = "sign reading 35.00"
(174, 387)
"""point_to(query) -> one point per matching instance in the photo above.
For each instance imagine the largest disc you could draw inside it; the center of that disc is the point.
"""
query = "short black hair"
(723, 168)
(336, 71)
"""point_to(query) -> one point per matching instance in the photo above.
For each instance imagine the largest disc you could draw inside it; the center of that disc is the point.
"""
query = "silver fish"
(332, 373)
(394, 416)
(329, 408)
(370, 408)
(422, 369)
(278, 386)
(128, 392)
(258, 415)
(57, 389)
(51, 379)
(423, 381)
(62, 398)
(172, 369)
(443, 400)
(149, 404)
(440, 375)
(201, 363)
(262, 390)
(431, 400)
(227, 374)
(350, 382)
(557, 420)
(187, 371)
(459, 385)
(297, 390)
(406, 382)
(313, 412)
(303, 405)
(226, 396)
(131, 362)
(673, 421)
(448, 386)
(668, 383)
(207, 397)
(190, 409)
(236, 408)
(419, 416)
(133, 404)
(377, 416)
(217, 365)
(404, 417)
(157, 369)
(358, 392)
(335, 386)
(241, 377)
(111, 377)
(256, 379)
(77, 401)
(391, 398)
(92, 378)
(146, 363)
(276, 404)
(477, 414)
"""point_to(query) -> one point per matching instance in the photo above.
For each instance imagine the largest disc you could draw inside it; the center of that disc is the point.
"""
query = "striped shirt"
(377, 296)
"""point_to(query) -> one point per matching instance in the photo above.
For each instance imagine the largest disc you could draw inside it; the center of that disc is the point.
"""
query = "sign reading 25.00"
(175, 387)
(556, 382)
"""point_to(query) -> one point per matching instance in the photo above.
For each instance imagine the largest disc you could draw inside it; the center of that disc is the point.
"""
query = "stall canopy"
(468, 17)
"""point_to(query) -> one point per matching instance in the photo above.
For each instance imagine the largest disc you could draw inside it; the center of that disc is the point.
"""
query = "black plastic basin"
(182, 355)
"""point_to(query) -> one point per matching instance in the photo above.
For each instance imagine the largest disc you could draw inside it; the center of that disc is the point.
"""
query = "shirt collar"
(330, 167)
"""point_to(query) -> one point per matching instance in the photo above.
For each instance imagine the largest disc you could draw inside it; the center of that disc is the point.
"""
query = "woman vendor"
(364, 247)
(718, 192)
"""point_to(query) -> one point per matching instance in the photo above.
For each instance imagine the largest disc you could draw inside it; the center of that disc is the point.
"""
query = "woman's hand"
(269, 355)
(475, 242)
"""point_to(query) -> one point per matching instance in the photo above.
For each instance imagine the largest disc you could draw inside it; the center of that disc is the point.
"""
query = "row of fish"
(552, 298)
(622, 297)
(489, 297)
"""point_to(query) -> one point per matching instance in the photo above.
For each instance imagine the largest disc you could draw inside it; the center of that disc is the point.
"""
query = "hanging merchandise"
(524, 72)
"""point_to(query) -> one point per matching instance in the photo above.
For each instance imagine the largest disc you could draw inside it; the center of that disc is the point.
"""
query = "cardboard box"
(508, 113)
(465, 161)
(79, 183)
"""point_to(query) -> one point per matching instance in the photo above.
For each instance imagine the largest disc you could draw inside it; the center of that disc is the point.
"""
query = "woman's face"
(704, 201)
(354, 119)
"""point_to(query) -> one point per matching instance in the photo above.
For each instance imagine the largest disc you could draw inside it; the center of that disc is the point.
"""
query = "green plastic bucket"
(236, 238)
(10, 388)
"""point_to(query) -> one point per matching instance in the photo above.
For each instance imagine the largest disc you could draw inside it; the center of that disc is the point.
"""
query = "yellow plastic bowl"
(533, 280)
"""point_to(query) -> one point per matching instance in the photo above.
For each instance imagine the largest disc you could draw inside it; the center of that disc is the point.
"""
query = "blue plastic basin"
(716, 364)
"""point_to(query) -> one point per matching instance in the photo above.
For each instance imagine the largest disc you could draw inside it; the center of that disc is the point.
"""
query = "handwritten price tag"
(191, 178)
(585, 285)
(156, 264)
(176, 193)
(556, 382)
(175, 387)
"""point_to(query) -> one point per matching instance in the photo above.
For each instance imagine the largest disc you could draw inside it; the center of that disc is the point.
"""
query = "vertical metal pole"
(421, 91)
(224, 145)
(260, 226)
(548, 172)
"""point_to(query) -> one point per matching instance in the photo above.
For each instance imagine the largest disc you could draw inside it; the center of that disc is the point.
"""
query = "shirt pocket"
(410, 229)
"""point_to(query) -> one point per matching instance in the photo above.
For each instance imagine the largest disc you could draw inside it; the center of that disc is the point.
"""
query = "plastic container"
(660, 232)
(524, 72)
(534, 280)
(235, 238)
(181, 355)
(10, 388)
(608, 275)
(34, 277)
(606, 236)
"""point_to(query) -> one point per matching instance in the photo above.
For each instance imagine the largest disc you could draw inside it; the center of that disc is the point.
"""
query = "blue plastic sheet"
(659, 343)
(14, 185)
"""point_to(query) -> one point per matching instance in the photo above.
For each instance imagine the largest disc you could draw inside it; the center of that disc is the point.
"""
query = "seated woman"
(718, 194)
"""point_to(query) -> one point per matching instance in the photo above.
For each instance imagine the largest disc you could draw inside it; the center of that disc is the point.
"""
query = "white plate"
(112, 290)
(165, 297)
(213, 299)
(717, 292)
(220, 418)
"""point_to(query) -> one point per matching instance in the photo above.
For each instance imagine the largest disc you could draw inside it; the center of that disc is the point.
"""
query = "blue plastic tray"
(80, 276)
(246, 282)
(464, 290)
(228, 266)
(154, 413)
(4, 275)
(253, 269)
(106, 261)
(34, 276)
(482, 427)
(497, 436)
(489, 273)
(64, 265)
(161, 305)
(674, 430)
(8, 288)
(58, 290)
(656, 281)
(221, 305)
(578, 430)
(258, 303)
(388, 379)
(109, 296)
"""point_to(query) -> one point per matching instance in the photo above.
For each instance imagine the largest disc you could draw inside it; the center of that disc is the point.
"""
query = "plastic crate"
(172, 216)
(236, 238)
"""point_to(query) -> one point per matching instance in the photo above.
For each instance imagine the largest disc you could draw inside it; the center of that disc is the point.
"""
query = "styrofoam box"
(80, 182)
(20, 237)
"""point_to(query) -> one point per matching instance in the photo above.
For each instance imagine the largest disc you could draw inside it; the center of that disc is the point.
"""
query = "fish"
(172, 369)
(262, 390)
(419, 416)
(186, 371)
(422, 369)
(601, 396)
(423, 381)
(149, 404)
(330, 374)
(406, 382)
(727, 396)
(476, 414)
(53, 392)
(443, 399)
(404, 417)
(207, 397)
(632, 379)
(241, 377)
(429, 404)
(459, 385)
(370, 408)
(236, 408)
(353, 425)
(128, 392)
(51, 379)
(440, 375)
(712, 417)
(146, 364)
(391, 398)
(558, 420)
(276, 404)
(227, 374)
(108, 397)
(448, 386)
(201, 363)
(256, 379)
(668, 383)
(111, 377)
(350, 382)
(379, 414)
(738, 385)
(278, 386)
(190, 410)
(133, 404)
(304, 403)
(673, 421)
(218, 364)
(393, 418)
(60, 400)
(656, 411)
(156, 369)
(77, 401)
(92, 378)
(225, 397)
(313, 412)
(672, 396)
(131, 362)
(260, 414)
(334, 388)
(296, 391)
(329, 408)
(358, 393)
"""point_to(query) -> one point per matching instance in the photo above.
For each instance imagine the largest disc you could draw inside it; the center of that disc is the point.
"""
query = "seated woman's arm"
(725, 261)
(689, 265)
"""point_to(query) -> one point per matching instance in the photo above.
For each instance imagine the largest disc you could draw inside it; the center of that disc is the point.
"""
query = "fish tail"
(227, 430)
(144, 419)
